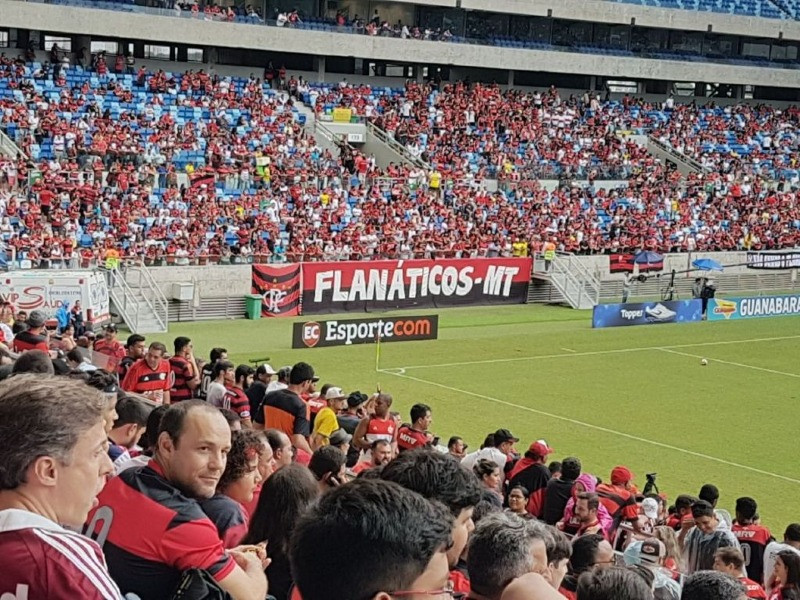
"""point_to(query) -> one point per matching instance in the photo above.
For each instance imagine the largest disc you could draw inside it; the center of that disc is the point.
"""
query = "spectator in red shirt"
(235, 397)
(40, 491)
(35, 337)
(618, 497)
(151, 376)
(381, 451)
(184, 371)
(532, 473)
(416, 435)
(110, 346)
(730, 560)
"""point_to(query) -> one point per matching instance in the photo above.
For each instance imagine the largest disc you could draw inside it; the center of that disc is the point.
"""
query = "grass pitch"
(637, 396)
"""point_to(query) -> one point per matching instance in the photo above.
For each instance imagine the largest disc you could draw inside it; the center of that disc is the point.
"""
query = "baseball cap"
(648, 552)
(334, 393)
(540, 448)
(340, 436)
(504, 435)
(265, 369)
(650, 508)
(621, 475)
(110, 327)
(36, 319)
(356, 399)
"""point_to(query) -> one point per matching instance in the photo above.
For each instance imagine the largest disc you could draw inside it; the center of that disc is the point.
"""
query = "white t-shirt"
(215, 394)
(492, 454)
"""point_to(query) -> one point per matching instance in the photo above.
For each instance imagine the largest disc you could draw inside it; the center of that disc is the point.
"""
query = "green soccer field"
(629, 395)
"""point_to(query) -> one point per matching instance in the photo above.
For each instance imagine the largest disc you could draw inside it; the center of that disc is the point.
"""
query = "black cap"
(340, 436)
(504, 435)
(356, 399)
(111, 327)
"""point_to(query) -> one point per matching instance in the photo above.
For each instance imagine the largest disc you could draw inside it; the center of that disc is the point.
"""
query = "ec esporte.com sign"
(338, 332)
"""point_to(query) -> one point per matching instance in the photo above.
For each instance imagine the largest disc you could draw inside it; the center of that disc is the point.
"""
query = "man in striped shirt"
(184, 370)
(51, 470)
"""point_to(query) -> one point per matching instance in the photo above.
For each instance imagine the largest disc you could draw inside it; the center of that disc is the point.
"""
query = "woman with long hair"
(674, 559)
(285, 496)
(488, 473)
(786, 576)
(226, 508)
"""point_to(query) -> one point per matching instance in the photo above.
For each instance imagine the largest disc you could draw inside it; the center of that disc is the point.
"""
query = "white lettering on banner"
(631, 314)
(413, 282)
(22, 593)
(272, 298)
(760, 307)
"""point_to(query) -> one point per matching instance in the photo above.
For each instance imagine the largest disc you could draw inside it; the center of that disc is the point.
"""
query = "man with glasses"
(588, 552)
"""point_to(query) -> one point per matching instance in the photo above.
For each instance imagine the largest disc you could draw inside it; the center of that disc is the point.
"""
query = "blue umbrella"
(646, 257)
(707, 264)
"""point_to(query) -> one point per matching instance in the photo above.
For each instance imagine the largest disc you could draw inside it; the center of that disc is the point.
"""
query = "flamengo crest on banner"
(279, 288)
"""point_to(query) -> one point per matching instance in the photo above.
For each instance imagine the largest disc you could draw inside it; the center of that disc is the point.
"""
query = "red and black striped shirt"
(182, 371)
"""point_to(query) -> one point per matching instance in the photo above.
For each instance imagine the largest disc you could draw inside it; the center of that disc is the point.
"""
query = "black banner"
(773, 260)
(345, 332)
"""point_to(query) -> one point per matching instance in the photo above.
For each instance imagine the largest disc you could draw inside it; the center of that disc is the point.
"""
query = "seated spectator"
(148, 441)
(711, 585)
(381, 452)
(586, 508)
(327, 467)
(518, 497)
(285, 496)
(235, 489)
(33, 361)
(786, 576)
(612, 584)
(129, 426)
(489, 474)
(35, 337)
(531, 472)
(52, 468)
(588, 552)
(619, 498)
(731, 562)
(380, 523)
(151, 376)
(791, 543)
(559, 551)
(651, 554)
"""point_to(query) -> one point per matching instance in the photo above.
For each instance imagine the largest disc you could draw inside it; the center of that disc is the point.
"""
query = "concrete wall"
(72, 20)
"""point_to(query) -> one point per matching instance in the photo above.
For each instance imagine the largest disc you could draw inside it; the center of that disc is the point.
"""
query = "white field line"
(735, 364)
(594, 353)
(570, 350)
(595, 427)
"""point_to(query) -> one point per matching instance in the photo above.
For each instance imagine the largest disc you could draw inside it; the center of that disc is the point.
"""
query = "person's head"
(36, 321)
(109, 331)
(232, 418)
(729, 560)
(421, 418)
(223, 371)
(327, 465)
(34, 362)
(53, 451)
(302, 378)
(241, 475)
(131, 423)
(395, 541)
(440, 477)
(243, 376)
(135, 346)
(586, 507)
(282, 449)
(382, 403)
(518, 497)
(792, 535)
(504, 546)
(284, 497)
(283, 374)
(570, 468)
(335, 398)
(381, 452)
(559, 551)
(615, 583)
(683, 504)
(538, 451)
(105, 382)
(589, 551)
(555, 469)
(504, 441)
(709, 493)
(787, 568)
(193, 443)
(704, 518)
(712, 585)
(183, 346)
(155, 354)
(149, 438)
(217, 354)
(746, 510)
(621, 476)
(264, 373)
(456, 446)
(488, 473)
(667, 536)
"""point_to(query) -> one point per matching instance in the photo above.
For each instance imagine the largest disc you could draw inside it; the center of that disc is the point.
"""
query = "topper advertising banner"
(725, 309)
(331, 287)
(345, 332)
(647, 313)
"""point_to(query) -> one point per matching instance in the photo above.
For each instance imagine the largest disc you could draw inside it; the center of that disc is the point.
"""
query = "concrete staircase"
(137, 298)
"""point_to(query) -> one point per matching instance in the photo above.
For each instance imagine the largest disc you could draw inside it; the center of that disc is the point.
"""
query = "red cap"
(621, 475)
(540, 448)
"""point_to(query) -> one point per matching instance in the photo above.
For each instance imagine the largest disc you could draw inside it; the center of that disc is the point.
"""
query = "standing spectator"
(258, 389)
(172, 532)
(326, 422)
(110, 346)
(683, 512)
(284, 498)
(236, 394)
(499, 451)
(379, 425)
(531, 472)
(222, 374)
(206, 372)
(134, 350)
(349, 420)
(502, 548)
(753, 538)
(236, 487)
(704, 539)
(456, 447)
(731, 562)
(282, 381)
(559, 490)
(35, 336)
(380, 524)
(150, 376)
(711, 585)
(52, 469)
(490, 476)
(416, 435)
(184, 371)
(618, 497)
(286, 411)
(710, 493)
(791, 543)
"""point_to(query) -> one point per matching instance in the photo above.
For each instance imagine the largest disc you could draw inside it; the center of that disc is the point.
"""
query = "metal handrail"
(116, 280)
(9, 147)
(137, 268)
(396, 146)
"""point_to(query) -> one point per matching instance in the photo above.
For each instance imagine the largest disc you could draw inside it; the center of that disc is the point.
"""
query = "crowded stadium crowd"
(180, 168)
(130, 470)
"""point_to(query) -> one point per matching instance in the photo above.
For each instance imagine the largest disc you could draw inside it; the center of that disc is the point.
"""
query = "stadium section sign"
(647, 313)
(330, 287)
(720, 309)
(773, 260)
(319, 334)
